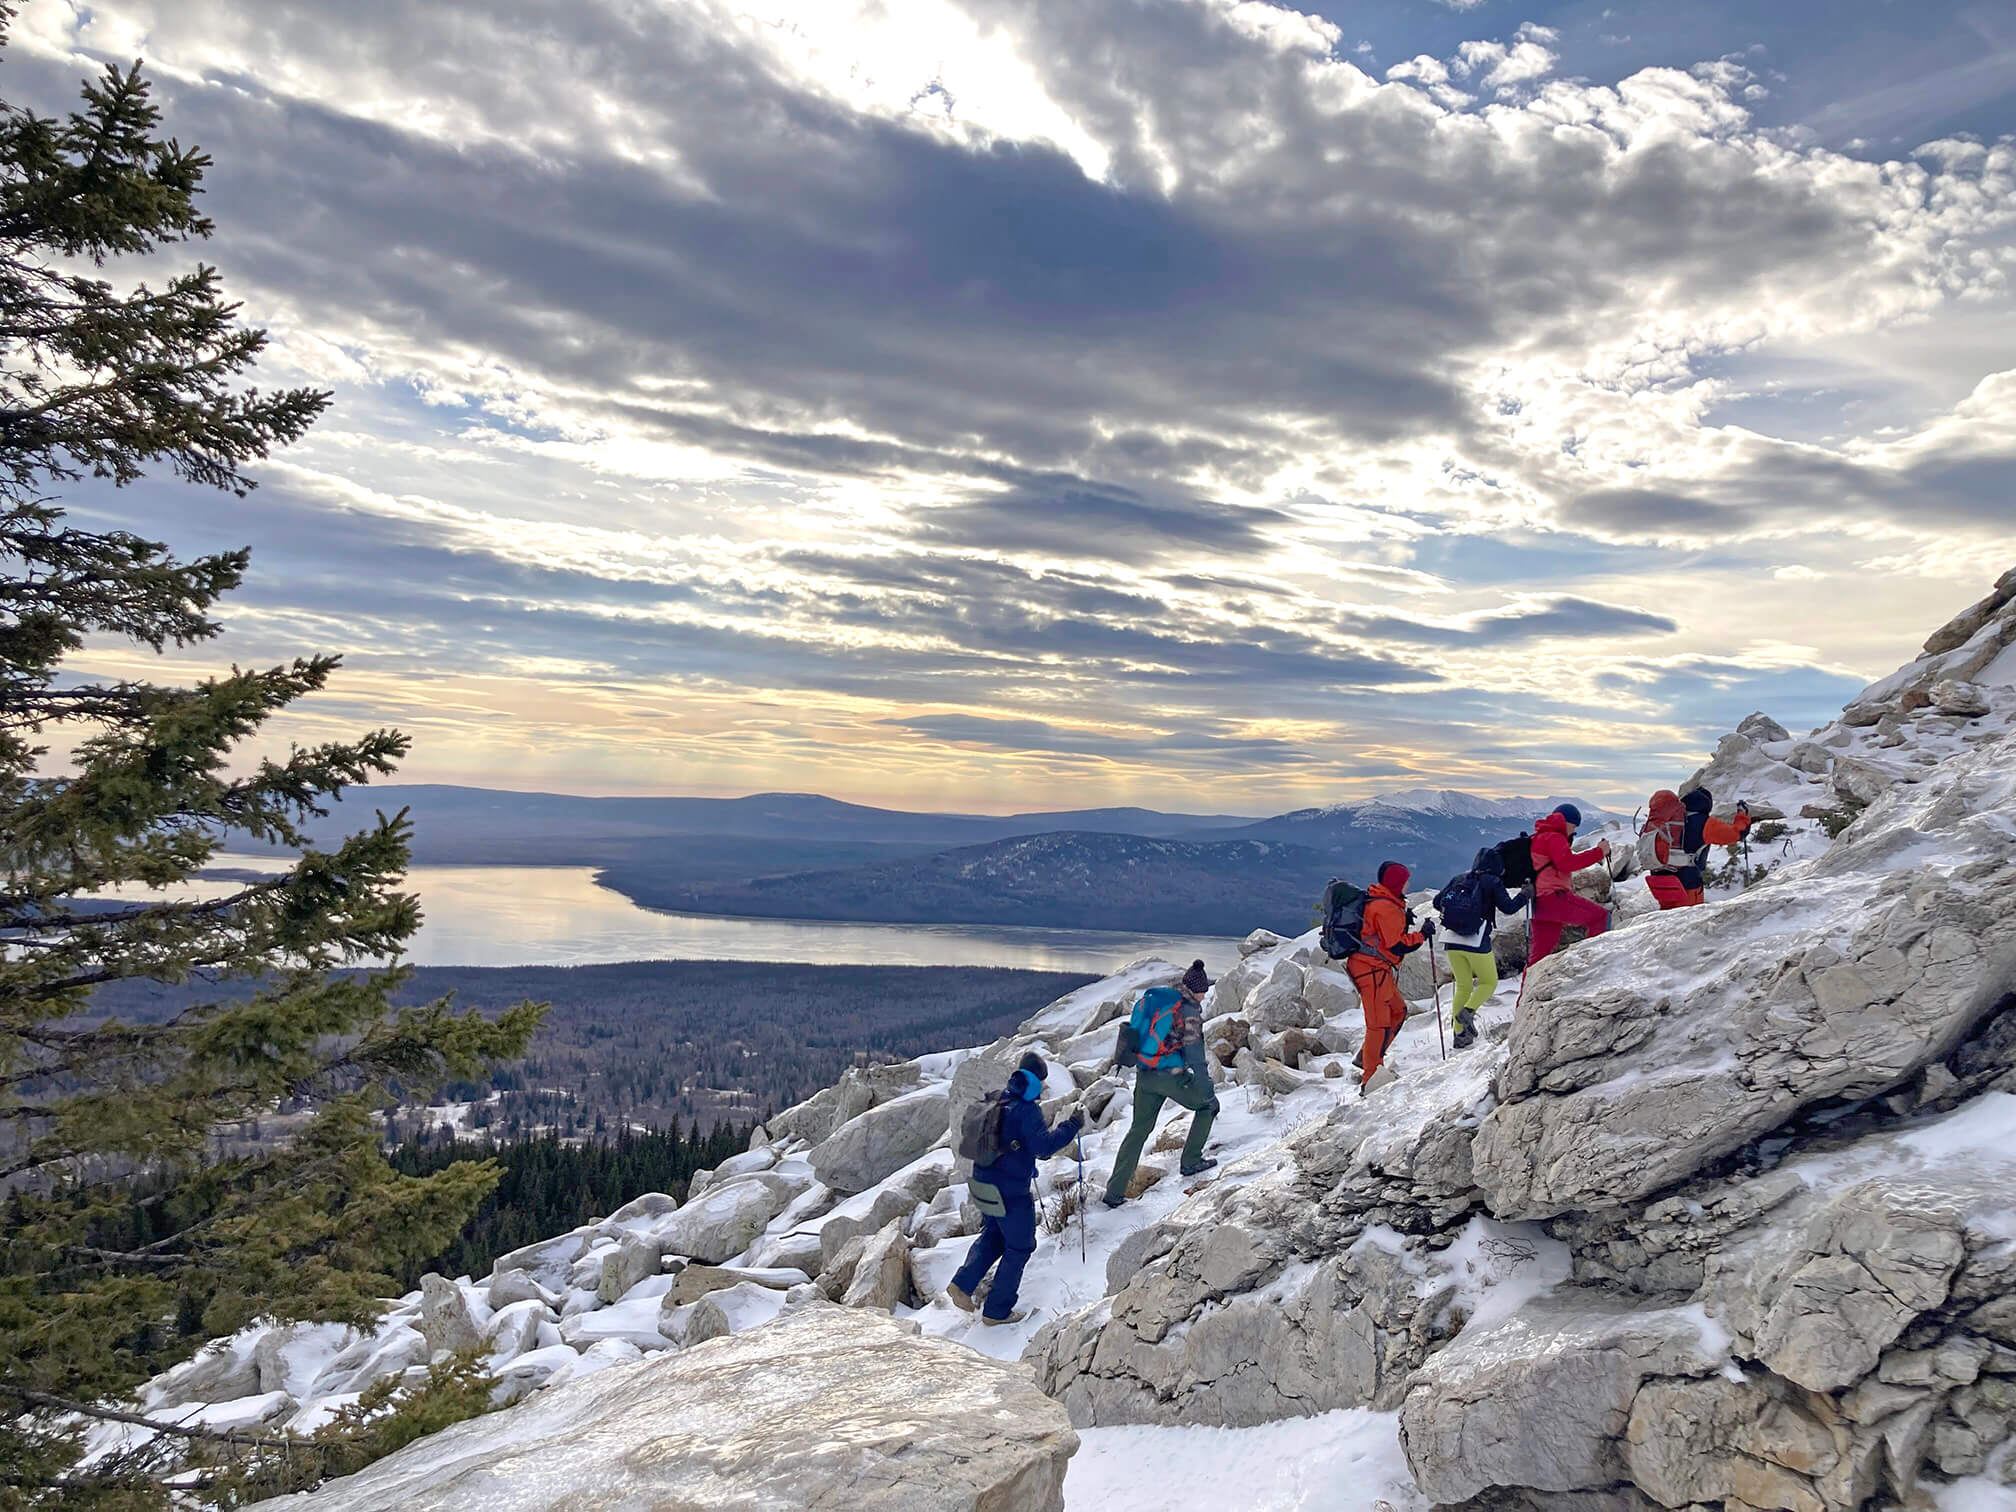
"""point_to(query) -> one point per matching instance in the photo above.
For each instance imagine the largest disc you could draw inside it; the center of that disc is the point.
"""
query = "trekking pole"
(1078, 1145)
(1435, 976)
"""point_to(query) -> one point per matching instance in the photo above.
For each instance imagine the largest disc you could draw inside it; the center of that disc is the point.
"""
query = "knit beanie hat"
(1571, 813)
(1195, 982)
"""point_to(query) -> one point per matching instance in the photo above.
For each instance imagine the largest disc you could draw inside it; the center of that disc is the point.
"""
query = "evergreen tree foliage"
(106, 1126)
(550, 1186)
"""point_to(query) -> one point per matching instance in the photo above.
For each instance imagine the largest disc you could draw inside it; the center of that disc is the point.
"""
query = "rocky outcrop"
(1543, 1400)
(882, 1140)
(826, 1408)
(1617, 1085)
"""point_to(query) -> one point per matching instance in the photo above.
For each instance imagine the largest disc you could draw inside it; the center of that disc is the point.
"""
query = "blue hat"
(1571, 813)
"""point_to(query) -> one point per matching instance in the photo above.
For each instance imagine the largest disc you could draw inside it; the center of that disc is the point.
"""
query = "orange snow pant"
(1671, 893)
(1385, 1012)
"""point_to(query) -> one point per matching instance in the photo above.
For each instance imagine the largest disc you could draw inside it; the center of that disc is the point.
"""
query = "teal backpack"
(1152, 1029)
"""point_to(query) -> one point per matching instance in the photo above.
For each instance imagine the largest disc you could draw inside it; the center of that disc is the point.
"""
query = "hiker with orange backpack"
(1383, 938)
(1673, 845)
(1556, 904)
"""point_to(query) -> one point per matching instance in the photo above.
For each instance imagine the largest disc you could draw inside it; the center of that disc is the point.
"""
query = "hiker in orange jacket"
(1556, 904)
(1374, 970)
(1680, 830)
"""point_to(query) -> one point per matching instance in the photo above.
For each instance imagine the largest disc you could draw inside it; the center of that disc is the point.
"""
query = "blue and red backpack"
(1152, 1034)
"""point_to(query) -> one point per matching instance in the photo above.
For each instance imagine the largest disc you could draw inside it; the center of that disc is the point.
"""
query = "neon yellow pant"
(1476, 976)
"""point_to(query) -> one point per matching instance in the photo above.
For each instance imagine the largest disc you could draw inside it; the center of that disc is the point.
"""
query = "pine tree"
(127, 1239)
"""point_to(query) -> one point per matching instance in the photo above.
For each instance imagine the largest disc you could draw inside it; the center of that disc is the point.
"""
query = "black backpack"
(1343, 910)
(980, 1130)
(1461, 904)
(1516, 857)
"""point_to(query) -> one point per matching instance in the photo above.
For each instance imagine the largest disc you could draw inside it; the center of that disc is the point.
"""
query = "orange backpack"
(1662, 842)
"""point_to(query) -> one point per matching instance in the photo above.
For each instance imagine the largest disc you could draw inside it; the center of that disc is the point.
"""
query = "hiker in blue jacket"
(1005, 1193)
(1172, 1070)
(1470, 906)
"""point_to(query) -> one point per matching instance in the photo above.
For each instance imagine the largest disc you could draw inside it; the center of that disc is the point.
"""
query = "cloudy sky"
(993, 404)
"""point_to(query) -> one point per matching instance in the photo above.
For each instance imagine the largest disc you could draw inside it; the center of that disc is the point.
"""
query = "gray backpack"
(980, 1130)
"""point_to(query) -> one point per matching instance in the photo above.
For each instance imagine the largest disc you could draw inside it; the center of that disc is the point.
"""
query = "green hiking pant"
(1151, 1090)
(1476, 974)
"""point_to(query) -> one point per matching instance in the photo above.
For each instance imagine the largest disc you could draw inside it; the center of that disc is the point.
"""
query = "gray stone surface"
(1542, 1400)
(883, 1140)
(881, 1278)
(445, 1318)
(724, 1222)
(548, 1262)
(630, 1262)
(828, 1409)
(1639, 1057)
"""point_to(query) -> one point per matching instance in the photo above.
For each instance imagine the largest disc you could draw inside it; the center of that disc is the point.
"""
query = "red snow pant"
(1385, 1012)
(1554, 911)
(1670, 893)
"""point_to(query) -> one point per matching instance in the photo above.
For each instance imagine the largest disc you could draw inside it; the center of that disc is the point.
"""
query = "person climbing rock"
(1469, 907)
(1169, 1066)
(1385, 938)
(1674, 844)
(1005, 1194)
(1556, 904)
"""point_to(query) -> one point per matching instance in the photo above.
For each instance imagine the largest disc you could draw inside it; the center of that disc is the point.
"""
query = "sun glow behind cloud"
(1013, 401)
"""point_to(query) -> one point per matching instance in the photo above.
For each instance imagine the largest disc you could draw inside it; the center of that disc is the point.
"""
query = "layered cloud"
(1016, 393)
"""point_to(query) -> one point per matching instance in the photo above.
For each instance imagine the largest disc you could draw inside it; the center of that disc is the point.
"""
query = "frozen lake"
(558, 916)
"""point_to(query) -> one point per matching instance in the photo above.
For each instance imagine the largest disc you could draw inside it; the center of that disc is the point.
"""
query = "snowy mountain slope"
(1457, 805)
(1718, 1216)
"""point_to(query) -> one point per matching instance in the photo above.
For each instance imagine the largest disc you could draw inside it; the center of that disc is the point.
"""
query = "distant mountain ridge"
(806, 856)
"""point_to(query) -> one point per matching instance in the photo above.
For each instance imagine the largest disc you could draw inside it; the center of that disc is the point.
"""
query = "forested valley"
(645, 1045)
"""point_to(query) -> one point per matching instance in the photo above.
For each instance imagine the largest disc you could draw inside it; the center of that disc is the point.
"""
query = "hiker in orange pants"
(1373, 971)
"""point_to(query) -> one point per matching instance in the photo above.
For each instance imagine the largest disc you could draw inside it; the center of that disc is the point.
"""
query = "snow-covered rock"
(548, 1262)
(632, 1260)
(827, 1407)
(1643, 1055)
(724, 1222)
(695, 1281)
(732, 1309)
(882, 1140)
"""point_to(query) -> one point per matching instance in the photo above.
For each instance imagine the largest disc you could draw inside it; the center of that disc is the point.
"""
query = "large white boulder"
(724, 1222)
(830, 1409)
(549, 1261)
(882, 1140)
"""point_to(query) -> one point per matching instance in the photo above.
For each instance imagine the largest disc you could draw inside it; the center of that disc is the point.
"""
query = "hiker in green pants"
(1169, 1067)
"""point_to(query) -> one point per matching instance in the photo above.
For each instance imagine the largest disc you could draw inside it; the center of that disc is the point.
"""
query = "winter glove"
(1427, 929)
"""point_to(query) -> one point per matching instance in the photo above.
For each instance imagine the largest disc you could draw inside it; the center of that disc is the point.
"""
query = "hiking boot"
(1465, 1037)
(1013, 1317)
(1204, 1164)
(1111, 1201)
(958, 1296)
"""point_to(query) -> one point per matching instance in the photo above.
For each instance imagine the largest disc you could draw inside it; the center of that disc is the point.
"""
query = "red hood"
(1554, 824)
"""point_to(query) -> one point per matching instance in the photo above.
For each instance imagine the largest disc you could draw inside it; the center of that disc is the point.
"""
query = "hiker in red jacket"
(1556, 904)
(1373, 971)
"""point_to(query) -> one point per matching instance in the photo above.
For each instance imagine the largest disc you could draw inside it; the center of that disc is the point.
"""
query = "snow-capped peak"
(1458, 805)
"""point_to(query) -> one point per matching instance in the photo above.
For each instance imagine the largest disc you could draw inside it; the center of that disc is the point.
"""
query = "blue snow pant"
(1009, 1239)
